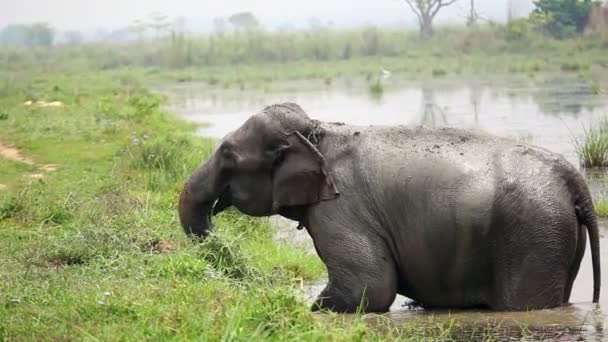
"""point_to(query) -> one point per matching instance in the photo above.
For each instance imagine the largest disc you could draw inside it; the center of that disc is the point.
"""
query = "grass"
(251, 60)
(376, 88)
(94, 251)
(592, 148)
(601, 208)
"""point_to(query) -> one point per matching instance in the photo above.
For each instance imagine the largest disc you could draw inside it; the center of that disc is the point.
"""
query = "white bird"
(385, 73)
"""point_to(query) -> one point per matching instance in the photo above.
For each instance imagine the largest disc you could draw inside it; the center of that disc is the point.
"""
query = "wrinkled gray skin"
(447, 217)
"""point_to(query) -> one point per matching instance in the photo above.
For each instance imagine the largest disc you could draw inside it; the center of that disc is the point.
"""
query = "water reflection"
(432, 114)
(556, 97)
(550, 112)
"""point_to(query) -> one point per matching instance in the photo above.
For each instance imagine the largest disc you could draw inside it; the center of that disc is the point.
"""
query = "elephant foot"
(413, 305)
(348, 300)
(333, 299)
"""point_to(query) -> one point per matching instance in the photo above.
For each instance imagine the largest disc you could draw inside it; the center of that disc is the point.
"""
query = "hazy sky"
(75, 14)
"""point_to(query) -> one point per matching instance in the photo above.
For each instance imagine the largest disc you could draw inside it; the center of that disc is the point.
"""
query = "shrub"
(564, 18)
(517, 30)
(376, 88)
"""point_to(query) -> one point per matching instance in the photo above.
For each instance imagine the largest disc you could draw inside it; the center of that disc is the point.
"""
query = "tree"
(426, 10)
(40, 34)
(219, 26)
(473, 15)
(73, 37)
(159, 23)
(14, 35)
(139, 28)
(564, 18)
(243, 21)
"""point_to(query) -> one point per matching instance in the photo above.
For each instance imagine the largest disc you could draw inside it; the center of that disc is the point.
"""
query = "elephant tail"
(586, 216)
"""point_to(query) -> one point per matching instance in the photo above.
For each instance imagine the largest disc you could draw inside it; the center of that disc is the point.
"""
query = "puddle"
(549, 111)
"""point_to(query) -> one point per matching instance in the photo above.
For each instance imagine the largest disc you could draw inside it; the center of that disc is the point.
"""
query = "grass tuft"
(601, 208)
(376, 88)
(570, 66)
(439, 72)
(592, 148)
(226, 257)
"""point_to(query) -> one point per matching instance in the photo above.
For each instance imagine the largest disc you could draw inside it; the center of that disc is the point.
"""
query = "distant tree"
(139, 28)
(243, 21)
(473, 17)
(14, 35)
(220, 26)
(564, 18)
(73, 37)
(426, 10)
(40, 34)
(315, 24)
(159, 23)
(180, 24)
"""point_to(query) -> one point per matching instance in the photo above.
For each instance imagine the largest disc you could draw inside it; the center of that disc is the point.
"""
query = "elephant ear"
(301, 177)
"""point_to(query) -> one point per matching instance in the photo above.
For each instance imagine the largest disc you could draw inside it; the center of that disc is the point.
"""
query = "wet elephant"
(447, 217)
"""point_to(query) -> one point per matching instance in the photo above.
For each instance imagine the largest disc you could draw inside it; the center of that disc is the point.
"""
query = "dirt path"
(13, 154)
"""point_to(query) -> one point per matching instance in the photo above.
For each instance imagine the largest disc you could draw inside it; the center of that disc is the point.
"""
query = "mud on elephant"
(447, 217)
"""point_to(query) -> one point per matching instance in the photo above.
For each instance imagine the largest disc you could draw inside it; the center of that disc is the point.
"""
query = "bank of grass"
(251, 60)
(94, 250)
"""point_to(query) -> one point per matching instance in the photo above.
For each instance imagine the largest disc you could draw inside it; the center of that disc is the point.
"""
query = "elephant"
(450, 218)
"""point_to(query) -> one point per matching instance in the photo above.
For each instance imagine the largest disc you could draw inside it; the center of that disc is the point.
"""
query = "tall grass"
(450, 50)
(592, 148)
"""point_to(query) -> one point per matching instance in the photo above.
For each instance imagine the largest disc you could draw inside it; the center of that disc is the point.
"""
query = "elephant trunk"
(197, 198)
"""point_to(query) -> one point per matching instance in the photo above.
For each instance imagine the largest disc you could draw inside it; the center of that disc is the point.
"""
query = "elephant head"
(267, 166)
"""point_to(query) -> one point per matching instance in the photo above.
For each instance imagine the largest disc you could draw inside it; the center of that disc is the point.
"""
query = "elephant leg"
(362, 273)
(536, 278)
(576, 262)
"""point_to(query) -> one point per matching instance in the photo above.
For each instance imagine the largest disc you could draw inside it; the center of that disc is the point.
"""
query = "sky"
(112, 14)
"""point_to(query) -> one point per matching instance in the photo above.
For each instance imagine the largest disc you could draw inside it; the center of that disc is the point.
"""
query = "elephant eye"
(228, 155)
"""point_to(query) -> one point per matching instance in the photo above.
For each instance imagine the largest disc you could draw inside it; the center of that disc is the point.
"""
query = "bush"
(564, 18)
(517, 30)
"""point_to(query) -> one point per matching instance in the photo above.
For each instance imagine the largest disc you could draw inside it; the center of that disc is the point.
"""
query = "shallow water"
(550, 111)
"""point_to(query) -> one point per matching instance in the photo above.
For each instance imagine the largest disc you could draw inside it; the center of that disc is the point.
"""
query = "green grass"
(592, 148)
(10, 171)
(601, 208)
(376, 88)
(251, 60)
(94, 251)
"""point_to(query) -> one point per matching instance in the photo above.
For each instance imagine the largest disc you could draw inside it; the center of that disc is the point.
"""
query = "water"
(549, 111)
